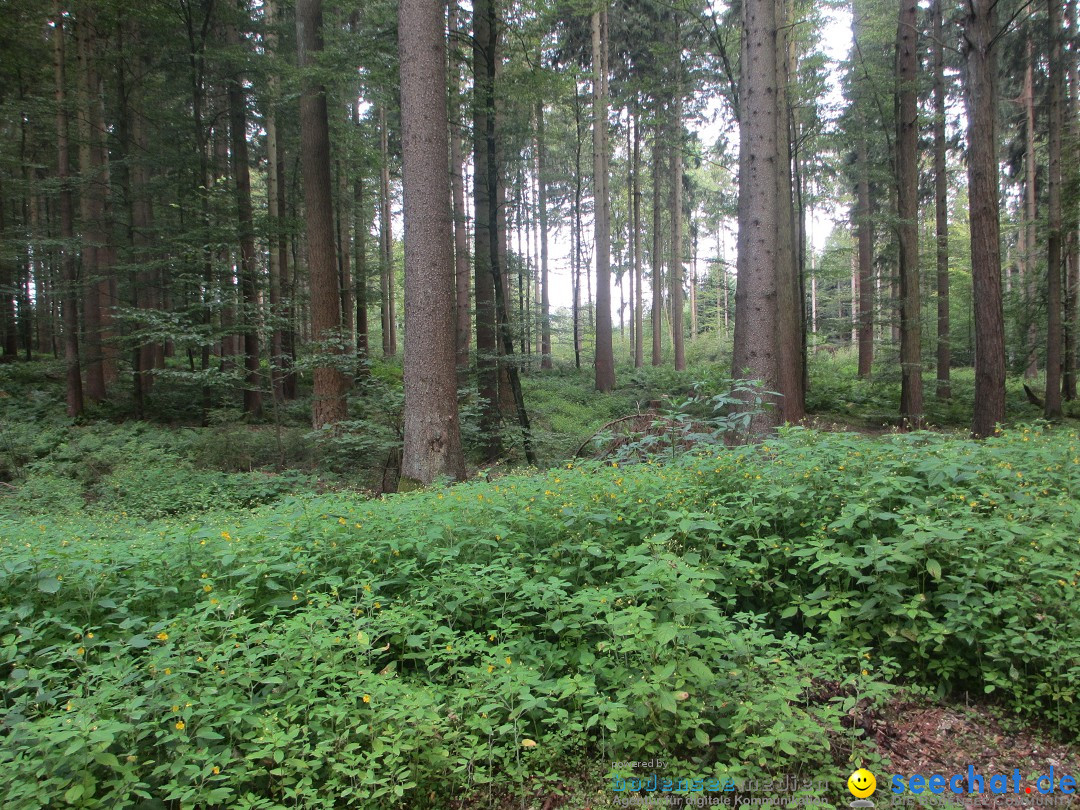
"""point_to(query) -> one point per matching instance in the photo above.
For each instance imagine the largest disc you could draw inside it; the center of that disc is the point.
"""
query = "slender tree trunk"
(1055, 91)
(275, 235)
(789, 296)
(386, 243)
(980, 29)
(345, 276)
(541, 189)
(1031, 207)
(457, 182)
(249, 271)
(865, 227)
(361, 223)
(941, 209)
(657, 285)
(70, 296)
(639, 332)
(487, 39)
(576, 261)
(432, 447)
(487, 370)
(604, 360)
(330, 384)
(676, 274)
(907, 176)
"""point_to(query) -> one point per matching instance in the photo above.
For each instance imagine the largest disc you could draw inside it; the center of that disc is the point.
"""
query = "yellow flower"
(295, 597)
(508, 661)
(865, 672)
(175, 708)
(168, 670)
(491, 636)
(162, 636)
(81, 650)
(527, 743)
(203, 575)
(180, 725)
(215, 770)
(89, 635)
(490, 669)
(367, 698)
(207, 588)
(226, 535)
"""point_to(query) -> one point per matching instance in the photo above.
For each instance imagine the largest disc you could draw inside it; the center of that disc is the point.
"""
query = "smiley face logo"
(862, 783)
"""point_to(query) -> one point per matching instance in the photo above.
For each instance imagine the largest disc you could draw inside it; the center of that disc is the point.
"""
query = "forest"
(525, 403)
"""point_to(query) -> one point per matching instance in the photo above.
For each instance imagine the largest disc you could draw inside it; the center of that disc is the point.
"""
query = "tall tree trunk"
(755, 354)
(1072, 226)
(457, 182)
(487, 39)
(865, 226)
(1030, 262)
(675, 278)
(249, 271)
(980, 30)
(789, 297)
(361, 223)
(70, 294)
(432, 446)
(576, 260)
(345, 248)
(1055, 91)
(941, 208)
(386, 243)
(657, 285)
(330, 384)
(9, 334)
(604, 360)
(487, 370)
(541, 189)
(276, 246)
(635, 236)
(97, 252)
(907, 177)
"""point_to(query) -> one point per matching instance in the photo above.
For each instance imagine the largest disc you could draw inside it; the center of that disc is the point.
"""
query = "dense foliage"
(724, 610)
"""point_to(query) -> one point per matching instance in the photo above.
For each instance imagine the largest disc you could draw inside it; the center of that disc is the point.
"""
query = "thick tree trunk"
(69, 295)
(432, 446)
(941, 209)
(1052, 400)
(980, 29)
(604, 359)
(907, 183)
(1072, 226)
(345, 247)
(330, 384)
(361, 223)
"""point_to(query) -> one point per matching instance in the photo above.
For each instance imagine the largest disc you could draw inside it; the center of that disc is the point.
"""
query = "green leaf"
(51, 584)
(933, 567)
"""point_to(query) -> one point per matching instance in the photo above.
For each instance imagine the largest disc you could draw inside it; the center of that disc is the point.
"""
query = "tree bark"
(69, 296)
(1052, 399)
(487, 370)
(635, 236)
(941, 209)
(330, 384)
(907, 177)
(457, 182)
(386, 244)
(604, 359)
(1072, 226)
(657, 286)
(432, 447)
(1030, 263)
(980, 28)
(249, 271)
(541, 195)
(675, 278)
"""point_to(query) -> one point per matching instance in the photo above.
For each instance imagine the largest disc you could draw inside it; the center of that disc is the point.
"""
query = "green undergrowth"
(727, 612)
